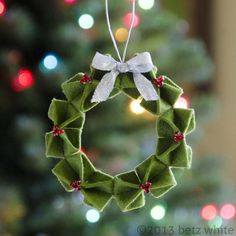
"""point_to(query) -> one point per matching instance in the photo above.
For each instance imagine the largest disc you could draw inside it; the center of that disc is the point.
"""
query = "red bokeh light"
(127, 20)
(70, 1)
(82, 150)
(2, 8)
(209, 212)
(23, 80)
(228, 211)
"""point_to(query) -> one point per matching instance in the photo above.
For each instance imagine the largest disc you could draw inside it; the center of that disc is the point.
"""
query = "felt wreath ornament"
(136, 78)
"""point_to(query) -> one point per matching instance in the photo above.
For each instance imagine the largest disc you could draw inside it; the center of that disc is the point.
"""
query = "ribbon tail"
(105, 87)
(145, 87)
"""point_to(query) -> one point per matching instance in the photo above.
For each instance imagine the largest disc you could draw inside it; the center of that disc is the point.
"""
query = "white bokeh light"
(136, 108)
(146, 4)
(50, 62)
(86, 21)
(92, 216)
(182, 102)
(216, 222)
(158, 212)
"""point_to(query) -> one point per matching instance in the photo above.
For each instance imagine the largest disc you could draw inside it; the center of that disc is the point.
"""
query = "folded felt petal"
(166, 128)
(128, 198)
(165, 146)
(79, 94)
(64, 145)
(184, 120)
(180, 156)
(149, 168)
(65, 174)
(155, 107)
(64, 114)
(163, 182)
(96, 198)
(168, 93)
(160, 176)
(128, 178)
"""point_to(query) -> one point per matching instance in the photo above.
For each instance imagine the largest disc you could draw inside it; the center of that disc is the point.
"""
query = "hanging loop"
(122, 59)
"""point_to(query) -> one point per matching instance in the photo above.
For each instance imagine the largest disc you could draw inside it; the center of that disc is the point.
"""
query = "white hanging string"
(130, 31)
(111, 33)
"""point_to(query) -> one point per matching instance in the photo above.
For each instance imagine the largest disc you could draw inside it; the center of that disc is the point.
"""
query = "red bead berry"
(178, 136)
(146, 187)
(86, 79)
(56, 131)
(76, 184)
(159, 82)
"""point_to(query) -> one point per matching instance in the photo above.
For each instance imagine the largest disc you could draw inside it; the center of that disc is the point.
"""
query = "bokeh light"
(216, 222)
(50, 62)
(182, 102)
(92, 216)
(127, 20)
(70, 1)
(121, 35)
(136, 108)
(2, 8)
(158, 212)
(209, 212)
(146, 4)
(23, 80)
(228, 211)
(86, 21)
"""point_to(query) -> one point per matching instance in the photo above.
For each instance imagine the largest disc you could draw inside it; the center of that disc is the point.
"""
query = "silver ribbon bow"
(142, 63)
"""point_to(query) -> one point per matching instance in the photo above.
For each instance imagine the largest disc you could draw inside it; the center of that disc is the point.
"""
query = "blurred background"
(43, 43)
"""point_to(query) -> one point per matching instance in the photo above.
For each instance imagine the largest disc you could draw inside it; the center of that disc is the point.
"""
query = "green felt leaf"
(126, 189)
(177, 155)
(98, 189)
(162, 183)
(158, 174)
(129, 200)
(184, 120)
(64, 114)
(65, 174)
(166, 129)
(78, 94)
(76, 163)
(149, 168)
(192, 124)
(89, 169)
(169, 94)
(165, 146)
(155, 107)
(138, 202)
(129, 178)
(72, 87)
(169, 152)
(63, 145)
(96, 198)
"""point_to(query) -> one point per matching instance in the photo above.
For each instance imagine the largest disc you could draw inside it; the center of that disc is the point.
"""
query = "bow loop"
(141, 63)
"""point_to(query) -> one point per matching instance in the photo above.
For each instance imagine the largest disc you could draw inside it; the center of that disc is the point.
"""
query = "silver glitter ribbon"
(142, 63)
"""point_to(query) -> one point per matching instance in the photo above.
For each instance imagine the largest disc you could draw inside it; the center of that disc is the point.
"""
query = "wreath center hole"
(115, 139)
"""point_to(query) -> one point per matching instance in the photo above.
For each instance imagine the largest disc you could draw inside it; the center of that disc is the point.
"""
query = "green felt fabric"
(168, 151)
(97, 187)
(127, 191)
(169, 94)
